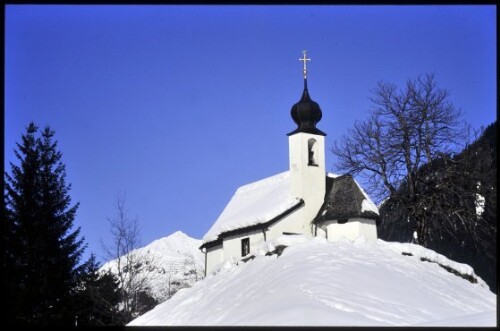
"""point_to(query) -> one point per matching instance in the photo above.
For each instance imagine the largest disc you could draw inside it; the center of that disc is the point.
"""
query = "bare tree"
(132, 267)
(190, 267)
(407, 129)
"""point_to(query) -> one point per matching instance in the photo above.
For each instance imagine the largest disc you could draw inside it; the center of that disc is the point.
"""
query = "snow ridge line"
(470, 278)
(465, 276)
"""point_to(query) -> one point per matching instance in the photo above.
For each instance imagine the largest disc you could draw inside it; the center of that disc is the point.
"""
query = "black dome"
(306, 113)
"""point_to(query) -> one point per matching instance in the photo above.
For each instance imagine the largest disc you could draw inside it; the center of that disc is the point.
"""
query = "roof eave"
(261, 226)
(365, 215)
(210, 244)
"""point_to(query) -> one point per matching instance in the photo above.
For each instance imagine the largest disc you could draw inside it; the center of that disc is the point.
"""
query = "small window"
(245, 246)
(342, 221)
(312, 149)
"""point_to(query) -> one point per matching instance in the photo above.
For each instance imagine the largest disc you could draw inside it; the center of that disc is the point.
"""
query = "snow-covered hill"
(318, 283)
(175, 262)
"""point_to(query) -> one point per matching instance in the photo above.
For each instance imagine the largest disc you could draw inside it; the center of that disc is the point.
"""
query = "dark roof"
(306, 113)
(343, 199)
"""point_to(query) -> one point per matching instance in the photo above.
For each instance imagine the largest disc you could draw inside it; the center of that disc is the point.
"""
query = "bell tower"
(307, 151)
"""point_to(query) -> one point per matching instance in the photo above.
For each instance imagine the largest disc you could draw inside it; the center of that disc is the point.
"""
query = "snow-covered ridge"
(318, 283)
(332, 175)
(423, 253)
(264, 183)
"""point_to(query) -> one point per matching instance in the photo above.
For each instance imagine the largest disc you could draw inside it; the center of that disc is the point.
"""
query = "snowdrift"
(318, 283)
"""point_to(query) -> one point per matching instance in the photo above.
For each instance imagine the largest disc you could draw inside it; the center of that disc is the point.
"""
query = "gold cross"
(304, 59)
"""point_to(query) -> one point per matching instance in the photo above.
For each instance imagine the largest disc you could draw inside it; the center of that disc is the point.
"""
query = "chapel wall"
(214, 257)
(353, 229)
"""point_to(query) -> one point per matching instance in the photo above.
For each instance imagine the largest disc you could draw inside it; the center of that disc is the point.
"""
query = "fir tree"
(98, 297)
(42, 248)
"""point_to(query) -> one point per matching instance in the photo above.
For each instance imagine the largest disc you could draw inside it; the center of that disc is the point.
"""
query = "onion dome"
(306, 113)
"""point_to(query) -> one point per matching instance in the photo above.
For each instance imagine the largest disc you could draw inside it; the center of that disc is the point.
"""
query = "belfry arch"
(312, 152)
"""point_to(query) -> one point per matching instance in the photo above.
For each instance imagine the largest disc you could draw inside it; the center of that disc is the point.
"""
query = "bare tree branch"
(131, 266)
(407, 129)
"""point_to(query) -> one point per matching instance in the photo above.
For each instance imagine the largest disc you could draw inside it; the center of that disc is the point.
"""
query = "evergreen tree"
(42, 249)
(98, 297)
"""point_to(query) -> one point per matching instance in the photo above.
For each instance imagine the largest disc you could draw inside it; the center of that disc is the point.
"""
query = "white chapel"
(303, 200)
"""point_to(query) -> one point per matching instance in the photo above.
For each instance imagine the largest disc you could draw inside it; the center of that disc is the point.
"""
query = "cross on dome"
(306, 113)
(304, 59)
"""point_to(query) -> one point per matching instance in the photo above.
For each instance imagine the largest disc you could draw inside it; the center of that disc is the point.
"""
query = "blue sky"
(178, 106)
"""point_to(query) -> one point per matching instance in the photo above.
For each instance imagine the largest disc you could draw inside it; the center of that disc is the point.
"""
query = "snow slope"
(318, 283)
(175, 259)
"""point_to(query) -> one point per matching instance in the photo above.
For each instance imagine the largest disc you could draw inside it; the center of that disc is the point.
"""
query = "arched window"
(312, 148)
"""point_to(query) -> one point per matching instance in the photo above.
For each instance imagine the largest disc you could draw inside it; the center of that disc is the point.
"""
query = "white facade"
(352, 229)
(232, 245)
(213, 256)
(294, 223)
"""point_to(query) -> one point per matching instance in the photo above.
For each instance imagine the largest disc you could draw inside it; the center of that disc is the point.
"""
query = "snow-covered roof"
(254, 203)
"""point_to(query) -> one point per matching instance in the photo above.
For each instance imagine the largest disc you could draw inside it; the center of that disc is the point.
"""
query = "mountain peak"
(178, 234)
(174, 258)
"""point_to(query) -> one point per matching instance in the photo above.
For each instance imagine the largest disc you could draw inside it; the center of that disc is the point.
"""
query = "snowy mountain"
(318, 283)
(174, 262)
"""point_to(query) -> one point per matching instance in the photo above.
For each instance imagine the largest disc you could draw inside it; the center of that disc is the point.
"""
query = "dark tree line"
(409, 151)
(45, 283)
(99, 297)
(473, 240)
